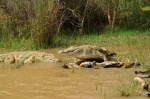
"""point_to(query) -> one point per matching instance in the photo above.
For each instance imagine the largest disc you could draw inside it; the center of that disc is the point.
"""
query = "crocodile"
(27, 57)
(89, 53)
(93, 56)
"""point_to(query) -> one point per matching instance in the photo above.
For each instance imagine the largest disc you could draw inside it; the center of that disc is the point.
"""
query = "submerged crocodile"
(27, 57)
(141, 77)
(89, 54)
(143, 72)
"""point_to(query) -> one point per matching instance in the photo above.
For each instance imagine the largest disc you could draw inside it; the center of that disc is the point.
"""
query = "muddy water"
(50, 81)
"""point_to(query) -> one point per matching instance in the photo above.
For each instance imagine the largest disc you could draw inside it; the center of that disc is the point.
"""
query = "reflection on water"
(50, 81)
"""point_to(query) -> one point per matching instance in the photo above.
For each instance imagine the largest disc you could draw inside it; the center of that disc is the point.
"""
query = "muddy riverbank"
(51, 81)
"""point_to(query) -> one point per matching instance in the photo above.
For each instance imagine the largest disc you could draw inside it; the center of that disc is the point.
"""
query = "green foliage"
(34, 24)
(146, 8)
(106, 38)
(41, 30)
(138, 18)
(127, 90)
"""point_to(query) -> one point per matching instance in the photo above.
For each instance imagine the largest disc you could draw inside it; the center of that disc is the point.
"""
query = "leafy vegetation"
(126, 90)
(35, 24)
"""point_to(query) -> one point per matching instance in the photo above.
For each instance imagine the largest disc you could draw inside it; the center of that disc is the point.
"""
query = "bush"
(34, 20)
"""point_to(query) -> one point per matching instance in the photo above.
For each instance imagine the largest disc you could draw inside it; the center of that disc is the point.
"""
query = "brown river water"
(51, 81)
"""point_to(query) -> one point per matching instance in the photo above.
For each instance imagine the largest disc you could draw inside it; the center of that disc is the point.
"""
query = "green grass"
(107, 38)
(127, 90)
(138, 39)
(16, 44)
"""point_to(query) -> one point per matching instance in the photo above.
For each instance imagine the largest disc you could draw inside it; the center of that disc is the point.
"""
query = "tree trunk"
(83, 18)
(112, 17)
(81, 26)
(108, 13)
(114, 13)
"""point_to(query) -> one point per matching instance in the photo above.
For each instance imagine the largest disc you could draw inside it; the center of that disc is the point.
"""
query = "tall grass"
(107, 38)
(28, 23)
(127, 90)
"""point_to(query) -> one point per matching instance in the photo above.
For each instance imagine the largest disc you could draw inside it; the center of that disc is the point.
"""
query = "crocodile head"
(71, 50)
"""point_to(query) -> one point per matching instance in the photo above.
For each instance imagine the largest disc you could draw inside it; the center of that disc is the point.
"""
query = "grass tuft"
(128, 89)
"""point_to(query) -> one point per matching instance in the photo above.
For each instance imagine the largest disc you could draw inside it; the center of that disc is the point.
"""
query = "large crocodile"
(89, 52)
(27, 57)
